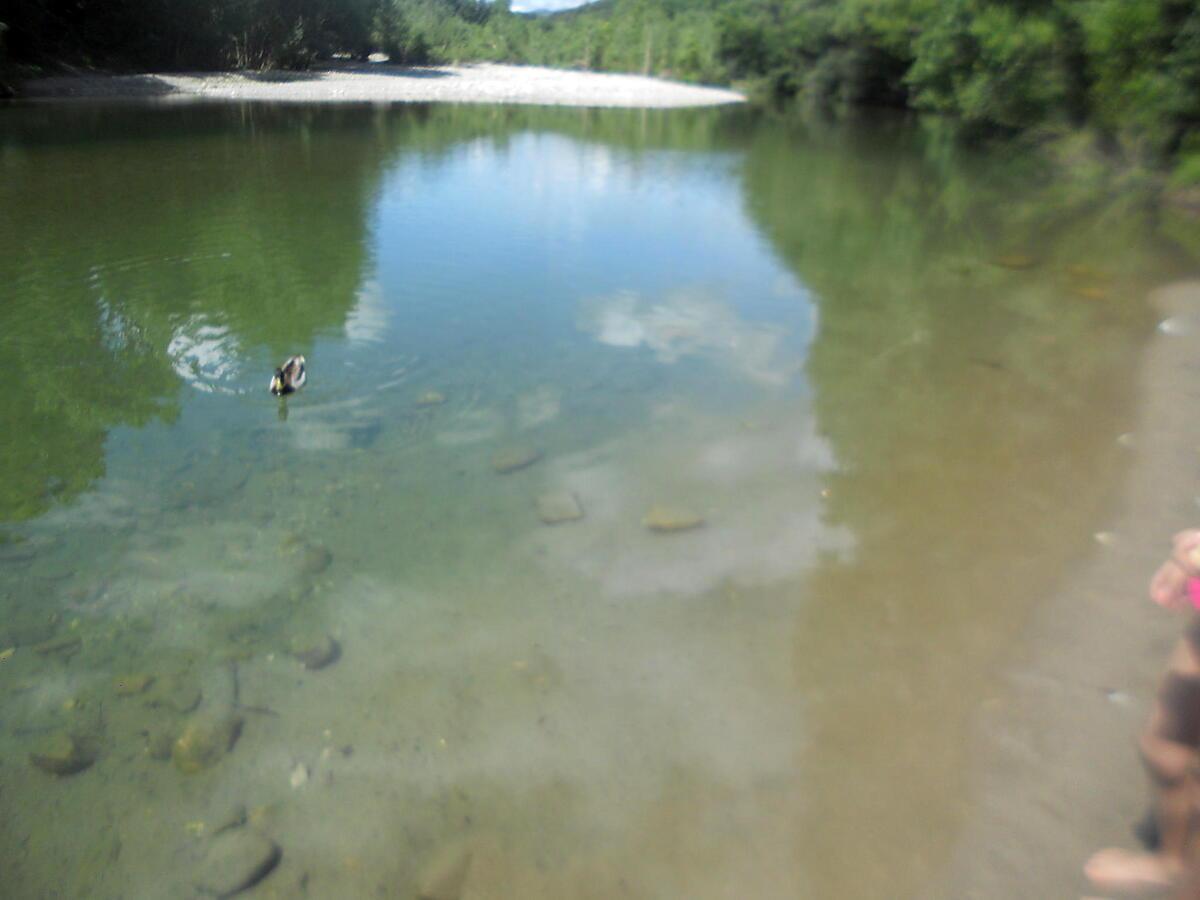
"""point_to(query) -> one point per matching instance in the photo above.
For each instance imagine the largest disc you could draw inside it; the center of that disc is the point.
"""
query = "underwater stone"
(445, 875)
(559, 506)
(1080, 270)
(299, 776)
(132, 685)
(205, 739)
(431, 398)
(236, 654)
(515, 459)
(232, 818)
(217, 482)
(175, 693)
(313, 558)
(1015, 261)
(66, 645)
(671, 518)
(1177, 326)
(160, 742)
(236, 860)
(62, 754)
(28, 630)
(18, 552)
(316, 653)
(23, 549)
(1090, 291)
(220, 686)
(56, 569)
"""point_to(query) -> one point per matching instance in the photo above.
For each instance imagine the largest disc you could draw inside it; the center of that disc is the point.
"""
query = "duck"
(289, 377)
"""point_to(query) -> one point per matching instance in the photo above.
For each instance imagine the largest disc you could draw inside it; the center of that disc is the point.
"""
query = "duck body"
(289, 377)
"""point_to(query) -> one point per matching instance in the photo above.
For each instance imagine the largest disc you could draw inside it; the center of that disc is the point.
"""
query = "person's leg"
(1168, 748)
(1187, 888)
(1120, 871)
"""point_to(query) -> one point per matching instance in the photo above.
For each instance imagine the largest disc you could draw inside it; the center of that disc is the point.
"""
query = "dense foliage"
(186, 33)
(1130, 66)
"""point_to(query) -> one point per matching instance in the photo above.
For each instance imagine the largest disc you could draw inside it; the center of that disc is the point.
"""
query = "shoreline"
(385, 83)
(1056, 772)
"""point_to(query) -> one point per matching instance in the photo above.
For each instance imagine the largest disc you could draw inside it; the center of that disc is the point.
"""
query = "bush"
(990, 65)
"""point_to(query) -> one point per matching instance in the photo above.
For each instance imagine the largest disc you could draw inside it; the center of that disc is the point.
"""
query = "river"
(666, 493)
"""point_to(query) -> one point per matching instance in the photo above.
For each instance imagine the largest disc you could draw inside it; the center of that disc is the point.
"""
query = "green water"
(889, 374)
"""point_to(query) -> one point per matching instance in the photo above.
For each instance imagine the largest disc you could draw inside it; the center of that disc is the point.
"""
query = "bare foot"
(1132, 874)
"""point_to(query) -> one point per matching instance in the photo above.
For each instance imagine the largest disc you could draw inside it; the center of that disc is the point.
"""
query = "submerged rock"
(234, 817)
(64, 645)
(204, 740)
(1178, 326)
(431, 398)
(209, 487)
(175, 693)
(63, 754)
(56, 569)
(1015, 261)
(17, 552)
(514, 459)
(160, 742)
(299, 776)
(23, 628)
(671, 518)
(313, 559)
(445, 875)
(132, 685)
(541, 405)
(1090, 291)
(559, 506)
(1088, 273)
(237, 859)
(316, 653)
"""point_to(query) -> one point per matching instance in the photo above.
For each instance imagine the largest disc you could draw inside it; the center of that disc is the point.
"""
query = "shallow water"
(889, 374)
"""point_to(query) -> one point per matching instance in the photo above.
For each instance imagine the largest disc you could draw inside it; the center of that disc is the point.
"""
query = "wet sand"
(1057, 774)
(383, 83)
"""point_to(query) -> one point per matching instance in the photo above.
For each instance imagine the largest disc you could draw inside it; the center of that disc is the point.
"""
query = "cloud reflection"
(205, 355)
(690, 322)
(367, 321)
(758, 487)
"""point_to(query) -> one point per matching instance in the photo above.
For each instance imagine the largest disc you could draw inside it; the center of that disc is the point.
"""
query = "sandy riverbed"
(1057, 772)
(484, 83)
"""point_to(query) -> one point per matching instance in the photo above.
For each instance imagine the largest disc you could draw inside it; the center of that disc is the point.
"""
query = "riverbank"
(1057, 771)
(384, 83)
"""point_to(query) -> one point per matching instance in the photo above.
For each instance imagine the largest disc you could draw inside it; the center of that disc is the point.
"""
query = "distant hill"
(597, 8)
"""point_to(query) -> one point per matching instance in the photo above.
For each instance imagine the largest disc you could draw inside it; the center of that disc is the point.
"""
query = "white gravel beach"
(383, 83)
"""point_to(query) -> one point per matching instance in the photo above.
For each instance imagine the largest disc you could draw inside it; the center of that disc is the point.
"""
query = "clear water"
(889, 375)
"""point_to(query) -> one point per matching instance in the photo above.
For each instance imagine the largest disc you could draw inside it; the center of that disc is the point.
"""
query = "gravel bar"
(384, 83)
